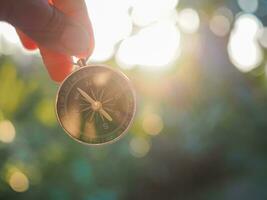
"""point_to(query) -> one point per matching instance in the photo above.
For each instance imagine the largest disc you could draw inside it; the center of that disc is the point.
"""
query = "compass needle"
(86, 96)
(101, 116)
(106, 115)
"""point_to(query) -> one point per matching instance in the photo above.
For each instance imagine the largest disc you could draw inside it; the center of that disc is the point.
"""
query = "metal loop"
(81, 62)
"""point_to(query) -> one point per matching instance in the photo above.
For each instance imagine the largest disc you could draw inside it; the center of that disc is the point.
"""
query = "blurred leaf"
(13, 90)
(45, 112)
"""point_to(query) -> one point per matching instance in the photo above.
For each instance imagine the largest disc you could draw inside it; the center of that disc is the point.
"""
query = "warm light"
(139, 147)
(152, 48)
(18, 181)
(9, 40)
(9, 33)
(7, 131)
(145, 12)
(188, 20)
(248, 5)
(111, 23)
(220, 25)
(243, 48)
(152, 124)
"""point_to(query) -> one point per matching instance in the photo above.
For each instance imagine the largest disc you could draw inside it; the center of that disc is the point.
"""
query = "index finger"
(76, 10)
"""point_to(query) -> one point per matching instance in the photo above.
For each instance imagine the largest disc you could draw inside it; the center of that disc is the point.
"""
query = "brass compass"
(95, 104)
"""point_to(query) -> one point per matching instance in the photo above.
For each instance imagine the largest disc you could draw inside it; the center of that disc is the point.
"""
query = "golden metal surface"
(96, 104)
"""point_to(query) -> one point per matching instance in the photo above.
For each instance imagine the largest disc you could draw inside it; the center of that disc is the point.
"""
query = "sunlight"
(9, 33)
(111, 24)
(243, 48)
(153, 48)
(145, 12)
(9, 40)
(188, 20)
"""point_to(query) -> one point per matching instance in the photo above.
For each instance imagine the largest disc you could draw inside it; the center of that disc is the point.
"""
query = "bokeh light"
(7, 131)
(18, 181)
(263, 37)
(248, 5)
(139, 147)
(188, 20)
(243, 48)
(225, 11)
(152, 124)
(220, 25)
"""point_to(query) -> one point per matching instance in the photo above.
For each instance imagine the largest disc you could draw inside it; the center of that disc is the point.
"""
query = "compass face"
(96, 104)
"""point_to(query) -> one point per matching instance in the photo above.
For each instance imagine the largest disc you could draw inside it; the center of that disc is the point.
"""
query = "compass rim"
(133, 92)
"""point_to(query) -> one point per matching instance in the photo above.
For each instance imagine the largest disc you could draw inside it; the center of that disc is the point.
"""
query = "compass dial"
(96, 104)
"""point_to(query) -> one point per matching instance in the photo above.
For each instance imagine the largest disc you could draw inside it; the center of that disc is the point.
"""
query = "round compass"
(96, 104)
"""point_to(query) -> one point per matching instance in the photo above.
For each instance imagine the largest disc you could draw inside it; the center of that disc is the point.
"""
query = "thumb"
(48, 27)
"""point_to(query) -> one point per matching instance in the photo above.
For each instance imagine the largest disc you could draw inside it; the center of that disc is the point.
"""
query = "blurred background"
(200, 72)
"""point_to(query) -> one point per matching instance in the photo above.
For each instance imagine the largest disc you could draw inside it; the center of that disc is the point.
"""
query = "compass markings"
(85, 109)
(109, 104)
(102, 94)
(109, 109)
(93, 94)
(92, 116)
(107, 100)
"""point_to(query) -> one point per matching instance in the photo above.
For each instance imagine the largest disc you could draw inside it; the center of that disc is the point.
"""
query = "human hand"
(59, 28)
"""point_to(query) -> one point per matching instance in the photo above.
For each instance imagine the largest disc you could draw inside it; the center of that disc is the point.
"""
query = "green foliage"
(14, 91)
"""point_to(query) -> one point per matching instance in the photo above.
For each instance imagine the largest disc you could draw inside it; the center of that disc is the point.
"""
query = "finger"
(27, 42)
(76, 9)
(49, 27)
(58, 65)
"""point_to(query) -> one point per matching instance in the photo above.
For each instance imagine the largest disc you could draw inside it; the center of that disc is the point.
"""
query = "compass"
(95, 104)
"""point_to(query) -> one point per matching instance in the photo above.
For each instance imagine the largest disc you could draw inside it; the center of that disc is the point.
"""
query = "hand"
(59, 28)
